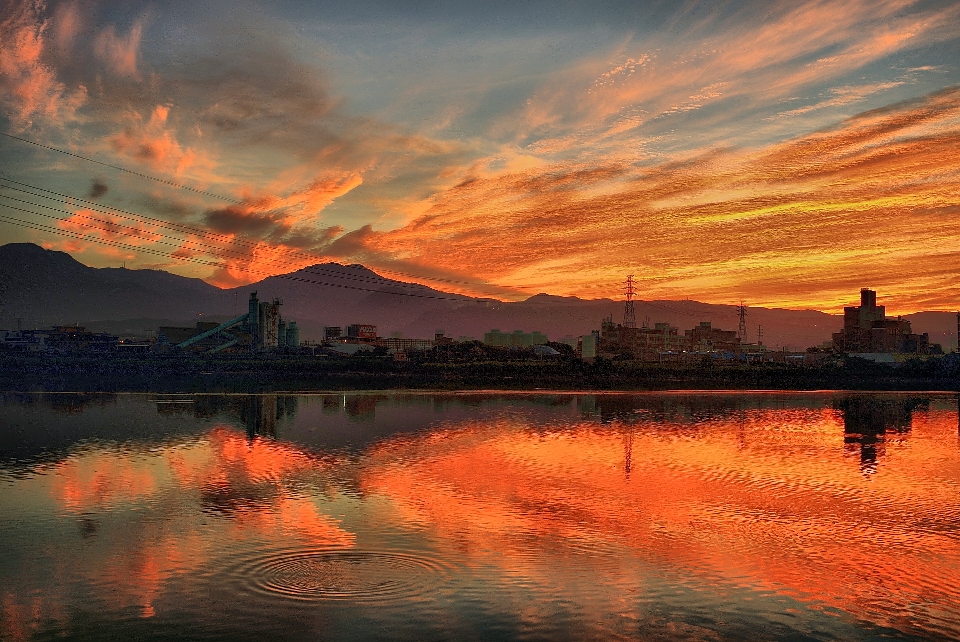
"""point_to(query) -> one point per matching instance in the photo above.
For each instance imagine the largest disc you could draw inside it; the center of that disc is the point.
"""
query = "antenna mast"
(629, 314)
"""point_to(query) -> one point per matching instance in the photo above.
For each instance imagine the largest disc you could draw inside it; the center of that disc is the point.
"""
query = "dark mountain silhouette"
(43, 287)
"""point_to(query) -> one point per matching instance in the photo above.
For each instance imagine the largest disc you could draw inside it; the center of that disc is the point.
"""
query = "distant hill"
(43, 287)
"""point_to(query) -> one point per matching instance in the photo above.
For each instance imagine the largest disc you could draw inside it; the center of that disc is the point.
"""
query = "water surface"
(688, 516)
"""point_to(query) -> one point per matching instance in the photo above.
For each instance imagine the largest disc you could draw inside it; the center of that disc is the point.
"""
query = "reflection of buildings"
(260, 413)
(257, 413)
(362, 406)
(866, 420)
(866, 329)
(631, 409)
(78, 402)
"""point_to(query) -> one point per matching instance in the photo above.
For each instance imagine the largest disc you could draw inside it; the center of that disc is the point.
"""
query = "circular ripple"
(342, 575)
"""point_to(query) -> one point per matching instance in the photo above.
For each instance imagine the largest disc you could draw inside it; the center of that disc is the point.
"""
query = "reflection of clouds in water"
(745, 498)
(184, 506)
(724, 493)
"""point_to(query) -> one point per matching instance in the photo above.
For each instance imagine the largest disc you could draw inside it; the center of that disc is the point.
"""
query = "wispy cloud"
(118, 52)
(713, 154)
(30, 92)
(795, 223)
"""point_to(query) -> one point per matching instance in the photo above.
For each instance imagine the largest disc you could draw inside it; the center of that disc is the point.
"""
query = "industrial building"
(260, 328)
(61, 338)
(332, 333)
(867, 330)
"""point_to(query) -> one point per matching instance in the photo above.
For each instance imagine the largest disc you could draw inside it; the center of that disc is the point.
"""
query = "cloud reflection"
(739, 500)
(246, 486)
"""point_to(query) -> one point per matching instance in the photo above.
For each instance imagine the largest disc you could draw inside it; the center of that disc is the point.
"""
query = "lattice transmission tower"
(742, 313)
(629, 314)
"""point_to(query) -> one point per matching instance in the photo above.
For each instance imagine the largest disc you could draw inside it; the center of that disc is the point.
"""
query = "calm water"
(714, 516)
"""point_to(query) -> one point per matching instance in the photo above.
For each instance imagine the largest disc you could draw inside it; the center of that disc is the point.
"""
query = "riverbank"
(269, 373)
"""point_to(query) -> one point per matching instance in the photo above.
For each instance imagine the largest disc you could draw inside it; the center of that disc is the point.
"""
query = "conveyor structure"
(261, 328)
(217, 330)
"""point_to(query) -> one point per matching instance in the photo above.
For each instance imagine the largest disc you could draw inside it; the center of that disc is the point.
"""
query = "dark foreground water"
(713, 516)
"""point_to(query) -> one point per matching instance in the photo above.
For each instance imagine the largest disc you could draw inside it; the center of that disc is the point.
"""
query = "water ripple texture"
(356, 576)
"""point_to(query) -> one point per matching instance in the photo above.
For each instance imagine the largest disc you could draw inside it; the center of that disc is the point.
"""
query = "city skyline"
(786, 155)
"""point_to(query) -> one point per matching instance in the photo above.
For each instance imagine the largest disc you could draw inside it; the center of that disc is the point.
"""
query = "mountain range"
(40, 288)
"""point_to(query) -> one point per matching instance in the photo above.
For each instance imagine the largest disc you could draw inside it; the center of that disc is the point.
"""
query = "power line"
(290, 277)
(181, 227)
(205, 193)
(94, 205)
(206, 234)
(122, 169)
(152, 237)
(79, 236)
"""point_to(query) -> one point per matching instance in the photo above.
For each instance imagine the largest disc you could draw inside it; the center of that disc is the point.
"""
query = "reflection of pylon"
(759, 335)
(628, 453)
(629, 314)
(742, 312)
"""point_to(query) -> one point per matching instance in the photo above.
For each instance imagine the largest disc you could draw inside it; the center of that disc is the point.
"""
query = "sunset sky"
(786, 154)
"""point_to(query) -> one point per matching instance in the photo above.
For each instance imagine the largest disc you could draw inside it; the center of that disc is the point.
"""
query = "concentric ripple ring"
(342, 575)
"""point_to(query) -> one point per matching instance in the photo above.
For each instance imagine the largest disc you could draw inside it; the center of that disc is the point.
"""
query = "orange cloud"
(91, 226)
(29, 90)
(119, 52)
(795, 224)
(793, 49)
(154, 143)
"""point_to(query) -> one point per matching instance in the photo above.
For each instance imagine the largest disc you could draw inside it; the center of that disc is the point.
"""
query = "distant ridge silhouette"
(46, 287)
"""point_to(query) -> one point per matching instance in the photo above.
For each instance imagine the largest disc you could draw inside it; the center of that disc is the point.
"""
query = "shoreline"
(292, 374)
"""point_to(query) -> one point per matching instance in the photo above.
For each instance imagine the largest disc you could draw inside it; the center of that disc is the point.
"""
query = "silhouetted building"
(640, 343)
(59, 338)
(361, 333)
(866, 329)
(332, 332)
(397, 344)
(178, 334)
(706, 338)
(261, 327)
